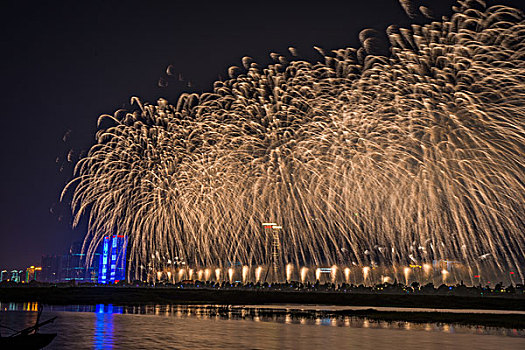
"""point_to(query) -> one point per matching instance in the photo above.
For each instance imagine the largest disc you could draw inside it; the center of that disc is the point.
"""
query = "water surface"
(196, 327)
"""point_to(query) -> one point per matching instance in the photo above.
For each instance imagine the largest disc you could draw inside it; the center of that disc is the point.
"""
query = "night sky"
(66, 62)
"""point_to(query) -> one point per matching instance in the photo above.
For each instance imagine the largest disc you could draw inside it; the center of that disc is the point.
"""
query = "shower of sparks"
(362, 158)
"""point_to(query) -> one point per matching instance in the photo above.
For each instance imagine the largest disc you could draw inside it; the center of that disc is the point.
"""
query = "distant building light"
(269, 224)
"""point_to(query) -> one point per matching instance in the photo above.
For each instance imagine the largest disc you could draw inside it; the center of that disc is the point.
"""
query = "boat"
(34, 341)
(28, 338)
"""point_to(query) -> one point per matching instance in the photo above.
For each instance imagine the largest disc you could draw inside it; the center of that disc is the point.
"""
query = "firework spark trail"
(417, 156)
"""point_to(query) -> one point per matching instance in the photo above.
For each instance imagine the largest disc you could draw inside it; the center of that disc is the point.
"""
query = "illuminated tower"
(272, 232)
(112, 267)
(276, 252)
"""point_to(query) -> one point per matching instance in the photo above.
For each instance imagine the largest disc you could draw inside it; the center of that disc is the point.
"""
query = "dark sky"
(64, 63)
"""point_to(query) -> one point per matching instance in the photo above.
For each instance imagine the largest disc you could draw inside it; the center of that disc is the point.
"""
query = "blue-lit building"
(112, 266)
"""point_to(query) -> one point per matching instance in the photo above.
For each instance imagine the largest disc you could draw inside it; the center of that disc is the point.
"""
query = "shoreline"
(168, 295)
(203, 296)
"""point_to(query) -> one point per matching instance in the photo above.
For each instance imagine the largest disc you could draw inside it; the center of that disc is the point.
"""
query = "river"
(195, 327)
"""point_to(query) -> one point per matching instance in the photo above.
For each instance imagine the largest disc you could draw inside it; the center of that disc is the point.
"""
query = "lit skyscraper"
(112, 267)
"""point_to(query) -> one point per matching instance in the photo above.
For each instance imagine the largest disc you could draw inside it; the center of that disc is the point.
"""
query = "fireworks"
(366, 159)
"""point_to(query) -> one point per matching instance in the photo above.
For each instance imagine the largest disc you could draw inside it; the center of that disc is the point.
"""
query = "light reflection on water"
(104, 337)
(178, 326)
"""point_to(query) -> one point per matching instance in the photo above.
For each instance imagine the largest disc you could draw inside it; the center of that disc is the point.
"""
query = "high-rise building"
(112, 266)
(51, 268)
(75, 267)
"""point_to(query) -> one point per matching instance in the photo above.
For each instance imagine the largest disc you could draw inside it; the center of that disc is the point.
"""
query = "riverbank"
(166, 295)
